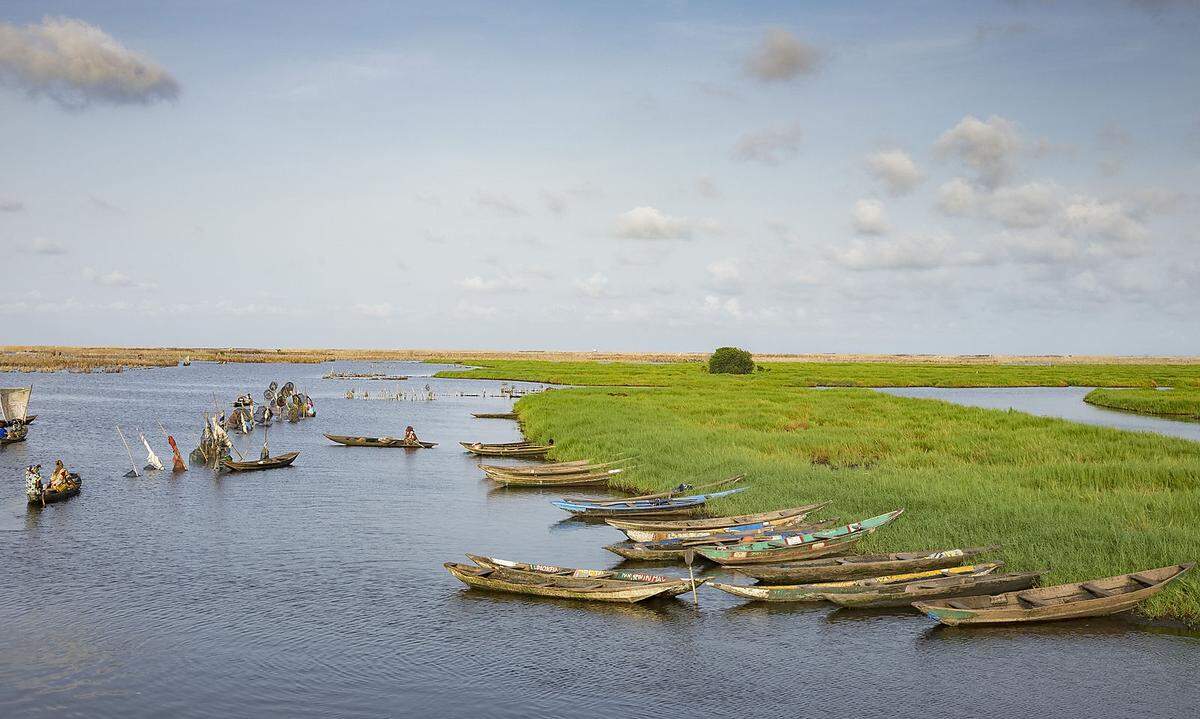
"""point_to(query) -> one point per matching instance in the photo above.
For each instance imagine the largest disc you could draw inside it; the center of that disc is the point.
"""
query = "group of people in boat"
(12, 429)
(60, 480)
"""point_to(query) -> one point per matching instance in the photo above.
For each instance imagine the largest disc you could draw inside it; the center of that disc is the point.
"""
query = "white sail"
(152, 460)
(14, 402)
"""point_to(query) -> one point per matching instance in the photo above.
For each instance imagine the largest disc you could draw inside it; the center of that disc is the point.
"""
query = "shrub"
(730, 360)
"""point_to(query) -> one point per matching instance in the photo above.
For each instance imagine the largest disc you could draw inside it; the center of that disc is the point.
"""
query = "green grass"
(1178, 403)
(1078, 500)
(843, 374)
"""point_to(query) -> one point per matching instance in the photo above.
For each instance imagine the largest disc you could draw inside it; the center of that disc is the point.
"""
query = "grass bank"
(1177, 403)
(1079, 500)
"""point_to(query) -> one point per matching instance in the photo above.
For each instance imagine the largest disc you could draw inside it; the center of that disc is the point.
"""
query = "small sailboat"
(187, 361)
(178, 464)
(132, 472)
(152, 460)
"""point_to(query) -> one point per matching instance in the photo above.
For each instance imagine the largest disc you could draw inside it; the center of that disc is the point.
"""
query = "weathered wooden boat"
(792, 523)
(1095, 598)
(74, 484)
(549, 585)
(520, 451)
(832, 569)
(670, 549)
(624, 575)
(815, 592)
(13, 439)
(557, 480)
(29, 419)
(500, 445)
(397, 442)
(276, 462)
(682, 489)
(653, 525)
(944, 588)
(549, 469)
(641, 507)
(794, 545)
(494, 415)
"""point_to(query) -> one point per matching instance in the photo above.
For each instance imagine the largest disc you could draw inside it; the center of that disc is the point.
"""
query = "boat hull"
(849, 568)
(538, 586)
(390, 442)
(283, 460)
(936, 589)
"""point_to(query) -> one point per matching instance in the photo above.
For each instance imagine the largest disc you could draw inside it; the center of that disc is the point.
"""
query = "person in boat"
(410, 435)
(3, 429)
(266, 452)
(59, 478)
(33, 481)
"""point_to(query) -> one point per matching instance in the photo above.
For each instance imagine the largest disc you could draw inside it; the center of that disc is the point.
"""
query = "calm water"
(318, 591)
(1064, 402)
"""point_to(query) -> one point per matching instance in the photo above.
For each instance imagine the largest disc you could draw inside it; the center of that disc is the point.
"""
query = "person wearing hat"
(60, 477)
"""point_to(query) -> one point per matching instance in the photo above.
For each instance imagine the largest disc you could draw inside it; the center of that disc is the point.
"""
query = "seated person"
(410, 435)
(58, 480)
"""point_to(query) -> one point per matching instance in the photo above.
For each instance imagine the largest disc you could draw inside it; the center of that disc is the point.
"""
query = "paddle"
(688, 555)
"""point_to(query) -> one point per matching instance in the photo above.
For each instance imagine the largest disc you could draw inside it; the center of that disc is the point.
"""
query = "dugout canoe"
(815, 592)
(558, 480)
(834, 569)
(521, 451)
(686, 525)
(74, 484)
(276, 462)
(623, 575)
(397, 442)
(945, 588)
(494, 415)
(642, 508)
(794, 523)
(546, 470)
(9, 439)
(677, 491)
(670, 549)
(795, 545)
(1095, 598)
(548, 585)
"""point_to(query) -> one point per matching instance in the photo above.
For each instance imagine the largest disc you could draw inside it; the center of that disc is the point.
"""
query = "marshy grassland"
(1079, 500)
(1176, 403)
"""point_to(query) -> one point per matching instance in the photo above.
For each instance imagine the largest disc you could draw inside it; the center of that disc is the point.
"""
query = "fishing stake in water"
(688, 555)
(133, 472)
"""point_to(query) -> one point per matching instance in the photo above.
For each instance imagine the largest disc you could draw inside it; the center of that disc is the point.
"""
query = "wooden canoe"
(276, 462)
(74, 484)
(524, 451)
(558, 480)
(546, 470)
(548, 585)
(642, 507)
(1095, 598)
(9, 439)
(397, 442)
(687, 525)
(861, 566)
(794, 545)
(682, 489)
(494, 415)
(623, 575)
(794, 523)
(669, 549)
(945, 588)
(815, 592)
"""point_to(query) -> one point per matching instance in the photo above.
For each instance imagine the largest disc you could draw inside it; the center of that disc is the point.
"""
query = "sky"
(927, 177)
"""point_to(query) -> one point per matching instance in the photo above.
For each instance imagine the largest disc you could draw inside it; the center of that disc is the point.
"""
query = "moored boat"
(947, 587)
(520, 450)
(623, 575)
(559, 587)
(494, 415)
(792, 523)
(669, 549)
(557, 480)
(282, 460)
(663, 506)
(398, 442)
(832, 569)
(795, 545)
(815, 592)
(712, 522)
(549, 469)
(1094, 598)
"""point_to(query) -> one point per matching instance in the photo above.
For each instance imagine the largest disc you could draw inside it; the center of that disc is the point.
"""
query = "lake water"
(318, 590)
(1064, 402)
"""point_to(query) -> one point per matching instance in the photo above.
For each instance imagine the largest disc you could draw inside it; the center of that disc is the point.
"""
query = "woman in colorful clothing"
(410, 435)
(59, 479)
(33, 481)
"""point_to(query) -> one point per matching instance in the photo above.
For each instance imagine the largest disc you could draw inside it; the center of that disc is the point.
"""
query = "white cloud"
(1106, 221)
(988, 147)
(42, 246)
(500, 283)
(896, 170)
(7, 204)
(468, 310)
(957, 198)
(726, 276)
(869, 217)
(595, 286)
(77, 64)
(1030, 205)
(1039, 247)
(499, 203)
(781, 56)
(770, 147)
(116, 278)
(380, 311)
(921, 252)
(649, 223)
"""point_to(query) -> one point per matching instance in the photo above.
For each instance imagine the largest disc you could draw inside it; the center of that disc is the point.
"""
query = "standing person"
(33, 482)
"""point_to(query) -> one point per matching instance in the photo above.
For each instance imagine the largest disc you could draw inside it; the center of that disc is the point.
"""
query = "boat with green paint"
(802, 545)
(816, 592)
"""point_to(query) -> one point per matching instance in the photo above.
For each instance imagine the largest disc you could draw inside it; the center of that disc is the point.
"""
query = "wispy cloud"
(499, 203)
(650, 223)
(770, 147)
(7, 204)
(781, 56)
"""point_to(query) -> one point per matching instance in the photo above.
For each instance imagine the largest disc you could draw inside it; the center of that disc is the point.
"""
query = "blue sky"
(845, 177)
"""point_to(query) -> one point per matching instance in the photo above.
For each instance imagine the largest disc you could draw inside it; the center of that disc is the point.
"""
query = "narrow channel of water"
(318, 590)
(1062, 402)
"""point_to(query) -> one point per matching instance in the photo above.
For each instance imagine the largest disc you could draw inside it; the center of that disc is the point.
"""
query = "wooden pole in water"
(688, 555)
(128, 450)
